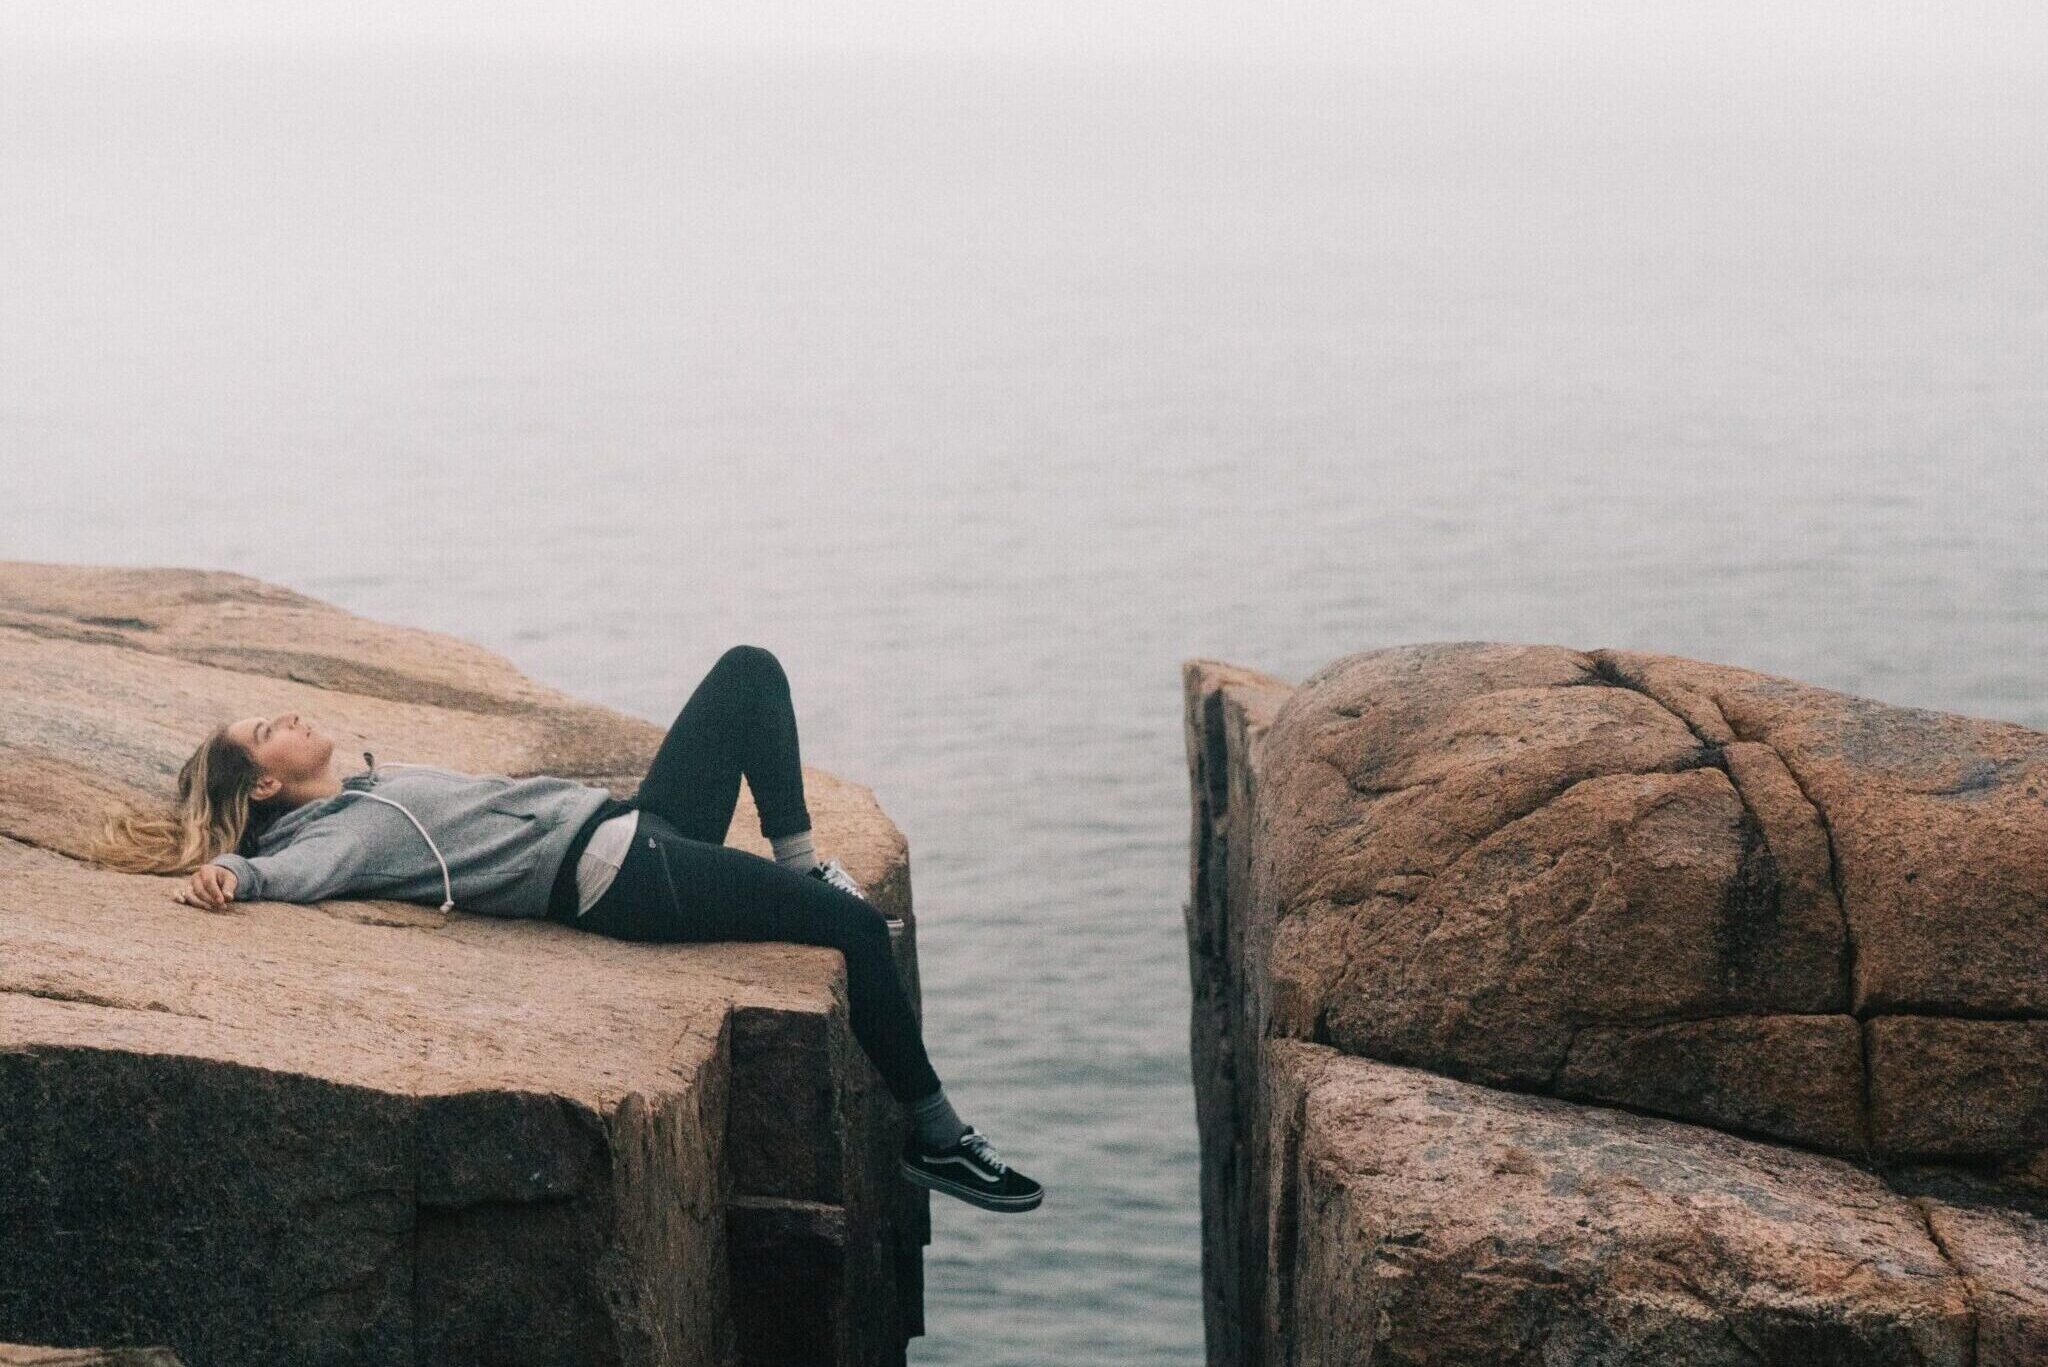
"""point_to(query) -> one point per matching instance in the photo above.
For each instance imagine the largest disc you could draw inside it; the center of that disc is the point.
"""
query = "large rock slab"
(369, 1132)
(2002, 1254)
(1565, 871)
(1229, 711)
(1424, 1220)
(1632, 881)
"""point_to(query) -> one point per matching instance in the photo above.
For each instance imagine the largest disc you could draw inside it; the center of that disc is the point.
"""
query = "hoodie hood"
(280, 832)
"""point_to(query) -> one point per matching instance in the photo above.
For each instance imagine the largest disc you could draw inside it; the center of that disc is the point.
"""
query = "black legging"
(680, 882)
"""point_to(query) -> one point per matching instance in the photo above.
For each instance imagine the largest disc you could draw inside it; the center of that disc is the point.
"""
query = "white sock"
(795, 852)
(936, 1125)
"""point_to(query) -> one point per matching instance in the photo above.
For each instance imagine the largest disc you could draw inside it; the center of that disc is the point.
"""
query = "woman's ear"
(265, 789)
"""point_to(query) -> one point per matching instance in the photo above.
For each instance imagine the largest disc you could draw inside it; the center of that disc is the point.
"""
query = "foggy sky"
(1624, 33)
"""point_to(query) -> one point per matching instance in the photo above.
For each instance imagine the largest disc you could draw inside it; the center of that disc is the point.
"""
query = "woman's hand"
(212, 887)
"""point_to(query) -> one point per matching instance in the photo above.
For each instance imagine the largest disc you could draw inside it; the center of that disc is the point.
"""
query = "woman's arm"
(326, 861)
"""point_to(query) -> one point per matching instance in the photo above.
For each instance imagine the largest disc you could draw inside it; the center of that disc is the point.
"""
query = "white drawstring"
(447, 888)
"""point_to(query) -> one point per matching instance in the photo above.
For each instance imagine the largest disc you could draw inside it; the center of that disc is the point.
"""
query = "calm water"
(986, 392)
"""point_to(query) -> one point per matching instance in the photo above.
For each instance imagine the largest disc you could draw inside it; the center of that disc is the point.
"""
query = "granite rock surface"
(1645, 885)
(368, 1132)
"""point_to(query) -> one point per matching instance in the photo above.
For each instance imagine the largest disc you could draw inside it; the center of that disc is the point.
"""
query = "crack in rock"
(85, 998)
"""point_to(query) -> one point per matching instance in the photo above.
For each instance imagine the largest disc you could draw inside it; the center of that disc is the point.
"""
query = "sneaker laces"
(981, 1149)
(835, 874)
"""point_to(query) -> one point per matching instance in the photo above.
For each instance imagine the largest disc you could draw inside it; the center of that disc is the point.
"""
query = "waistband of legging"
(562, 896)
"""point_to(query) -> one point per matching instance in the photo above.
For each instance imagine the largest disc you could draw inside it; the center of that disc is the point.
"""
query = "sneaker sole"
(969, 1194)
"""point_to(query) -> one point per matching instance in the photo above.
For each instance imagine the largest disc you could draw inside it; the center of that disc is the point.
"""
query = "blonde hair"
(212, 813)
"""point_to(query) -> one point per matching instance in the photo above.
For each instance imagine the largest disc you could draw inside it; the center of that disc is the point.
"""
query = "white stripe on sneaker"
(983, 1173)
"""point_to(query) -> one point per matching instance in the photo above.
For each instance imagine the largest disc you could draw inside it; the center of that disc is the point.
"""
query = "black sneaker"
(970, 1170)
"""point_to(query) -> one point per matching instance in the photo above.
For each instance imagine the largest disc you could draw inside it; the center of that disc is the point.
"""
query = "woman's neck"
(301, 791)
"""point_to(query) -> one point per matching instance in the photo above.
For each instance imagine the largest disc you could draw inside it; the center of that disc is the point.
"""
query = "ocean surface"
(985, 391)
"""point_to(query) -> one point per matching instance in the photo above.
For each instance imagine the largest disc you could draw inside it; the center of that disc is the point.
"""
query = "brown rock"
(1422, 1220)
(1467, 853)
(1960, 1089)
(2002, 1254)
(366, 1131)
(1620, 900)
(1797, 1078)
(1632, 880)
(1794, 864)
(1940, 831)
(1227, 711)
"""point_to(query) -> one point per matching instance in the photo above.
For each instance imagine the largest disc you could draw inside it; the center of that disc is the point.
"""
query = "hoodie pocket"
(511, 804)
(543, 799)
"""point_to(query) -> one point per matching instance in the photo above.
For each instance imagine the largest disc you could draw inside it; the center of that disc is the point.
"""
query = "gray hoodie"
(418, 833)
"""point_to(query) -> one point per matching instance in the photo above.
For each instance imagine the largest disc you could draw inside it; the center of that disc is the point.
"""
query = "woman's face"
(285, 747)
